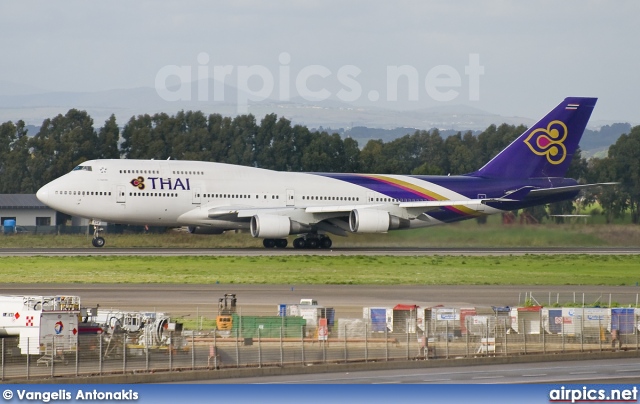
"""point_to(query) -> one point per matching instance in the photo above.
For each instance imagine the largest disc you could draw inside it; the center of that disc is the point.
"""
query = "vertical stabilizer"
(546, 148)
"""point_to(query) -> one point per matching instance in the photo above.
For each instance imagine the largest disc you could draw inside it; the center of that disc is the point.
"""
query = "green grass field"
(439, 270)
(297, 270)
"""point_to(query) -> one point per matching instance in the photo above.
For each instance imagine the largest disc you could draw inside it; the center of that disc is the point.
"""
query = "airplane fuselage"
(160, 193)
(214, 197)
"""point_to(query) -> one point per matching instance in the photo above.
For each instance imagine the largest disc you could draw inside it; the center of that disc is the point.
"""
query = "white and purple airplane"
(213, 197)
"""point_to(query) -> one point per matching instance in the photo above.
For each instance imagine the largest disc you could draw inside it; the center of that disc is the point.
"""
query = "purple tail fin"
(546, 148)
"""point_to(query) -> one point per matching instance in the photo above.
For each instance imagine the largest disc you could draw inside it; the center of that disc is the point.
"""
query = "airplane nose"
(43, 194)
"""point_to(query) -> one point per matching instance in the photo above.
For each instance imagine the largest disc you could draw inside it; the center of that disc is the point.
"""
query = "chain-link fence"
(356, 340)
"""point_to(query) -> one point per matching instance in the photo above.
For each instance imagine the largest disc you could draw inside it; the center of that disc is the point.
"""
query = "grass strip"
(612, 270)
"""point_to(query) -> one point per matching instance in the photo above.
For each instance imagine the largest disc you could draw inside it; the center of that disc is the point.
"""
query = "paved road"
(589, 371)
(6, 252)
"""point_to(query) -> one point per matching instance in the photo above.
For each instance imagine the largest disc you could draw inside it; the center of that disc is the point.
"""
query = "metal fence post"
(386, 344)
(281, 349)
(77, 356)
(259, 349)
(215, 351)
(53, 356)
(427, 327)
(541, 325)
(100, 353)
(147, 362)
(524, 333)
(544, 345)
(488, 344)
(582, 331)
(324, 351)
(124, 353)
(600, 333)
(170, 351)
(345, 344)
(466, 326)
(407, 331)
(446, 339)
(563, 333)
(2, 359)
(28, 356)
(506, 338)
(302, 342)
(193, 352)
(237, 347)
(366, 339)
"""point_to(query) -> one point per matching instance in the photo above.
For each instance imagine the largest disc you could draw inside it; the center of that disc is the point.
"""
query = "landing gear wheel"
(299, 243)
(325, 243)
(269, 243)
(281, 243)
(98, 242)
(312, 243)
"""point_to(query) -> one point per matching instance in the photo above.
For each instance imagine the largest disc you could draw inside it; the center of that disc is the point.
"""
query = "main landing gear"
(97, 240)
(308, 241)
(275, 243)
(312, 241)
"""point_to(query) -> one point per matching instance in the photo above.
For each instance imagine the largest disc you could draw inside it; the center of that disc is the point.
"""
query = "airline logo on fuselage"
(549, 142)
(138, 183)
(160, 183)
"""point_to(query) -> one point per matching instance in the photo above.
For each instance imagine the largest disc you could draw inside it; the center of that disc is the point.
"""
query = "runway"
(348, 300)
(252, 252)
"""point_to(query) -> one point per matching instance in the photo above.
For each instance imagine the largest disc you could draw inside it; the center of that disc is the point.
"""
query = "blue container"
(378, 320)
(9, 226)
(282, 310)
(623, 320)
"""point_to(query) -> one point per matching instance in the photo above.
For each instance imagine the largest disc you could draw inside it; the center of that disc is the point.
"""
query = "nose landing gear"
(97, 240)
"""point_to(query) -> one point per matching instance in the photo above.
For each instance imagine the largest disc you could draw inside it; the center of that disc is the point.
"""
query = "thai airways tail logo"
(138, 183)
(549, 142)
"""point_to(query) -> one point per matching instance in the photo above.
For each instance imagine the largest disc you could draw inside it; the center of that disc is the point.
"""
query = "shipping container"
(269, 326)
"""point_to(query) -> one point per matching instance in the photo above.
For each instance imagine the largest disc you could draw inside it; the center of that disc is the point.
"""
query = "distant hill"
(363, 134)
(362, 123)
(594, 143)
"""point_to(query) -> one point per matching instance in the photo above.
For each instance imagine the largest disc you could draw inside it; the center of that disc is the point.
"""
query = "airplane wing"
(331, 217)
(241, 212)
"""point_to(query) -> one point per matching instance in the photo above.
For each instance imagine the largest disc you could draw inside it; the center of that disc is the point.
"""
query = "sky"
(513, 58)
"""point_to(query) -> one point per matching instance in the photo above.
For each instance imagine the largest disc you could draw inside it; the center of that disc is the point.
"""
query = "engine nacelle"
(273, 226)
(204, 230)
(270, 226)
(374, 221)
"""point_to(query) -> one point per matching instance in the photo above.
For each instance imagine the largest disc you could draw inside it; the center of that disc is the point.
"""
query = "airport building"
(25, 212)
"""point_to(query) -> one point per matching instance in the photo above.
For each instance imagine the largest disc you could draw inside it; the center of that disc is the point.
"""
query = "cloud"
(531, 51)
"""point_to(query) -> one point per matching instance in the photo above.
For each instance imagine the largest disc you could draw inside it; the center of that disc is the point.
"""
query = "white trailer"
(40, 322)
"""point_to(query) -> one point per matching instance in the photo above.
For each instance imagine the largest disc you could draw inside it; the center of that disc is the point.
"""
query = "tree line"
(63, 142)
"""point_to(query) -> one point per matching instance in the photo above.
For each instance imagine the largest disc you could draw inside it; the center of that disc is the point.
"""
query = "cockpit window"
(82, 168)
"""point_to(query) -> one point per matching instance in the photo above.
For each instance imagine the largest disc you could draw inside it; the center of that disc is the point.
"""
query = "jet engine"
(273, 226)
(374, 221)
